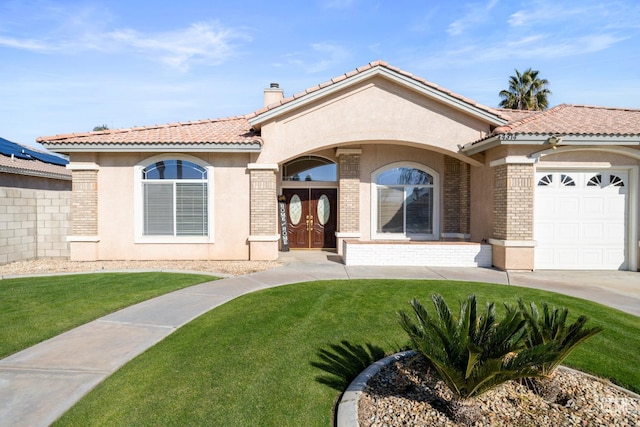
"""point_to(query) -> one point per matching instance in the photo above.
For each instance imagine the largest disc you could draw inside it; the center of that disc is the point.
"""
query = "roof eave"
(401, 79)
(540, 139)
(252, 147)
(39, 174)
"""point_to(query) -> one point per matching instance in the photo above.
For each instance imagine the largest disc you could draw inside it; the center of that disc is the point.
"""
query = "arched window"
(405, 203)
(310, 168)
(175, 199)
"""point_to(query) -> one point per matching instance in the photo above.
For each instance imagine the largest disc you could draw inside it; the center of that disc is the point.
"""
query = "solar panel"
(9, 148)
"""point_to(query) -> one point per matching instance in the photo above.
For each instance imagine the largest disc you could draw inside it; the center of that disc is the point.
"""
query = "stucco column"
(512, 241)
(348, 195)
(263, 240)
(84, 238)
(456, 199)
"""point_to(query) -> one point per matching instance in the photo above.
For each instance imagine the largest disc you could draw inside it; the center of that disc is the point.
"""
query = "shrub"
(551, 328)
(473, 353)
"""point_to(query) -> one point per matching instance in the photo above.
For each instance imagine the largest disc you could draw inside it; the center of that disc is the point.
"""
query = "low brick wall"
(429, 254)
(34, 224)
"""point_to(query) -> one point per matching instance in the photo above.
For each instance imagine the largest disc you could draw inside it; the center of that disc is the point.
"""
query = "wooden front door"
(311, 217)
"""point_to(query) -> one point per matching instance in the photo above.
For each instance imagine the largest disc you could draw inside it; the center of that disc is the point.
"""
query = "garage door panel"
(614, 232)
(593, 256)
(567, 206)
(568, 231)
(593, 232)
(567, 256)
(592, 207)
(581, 226)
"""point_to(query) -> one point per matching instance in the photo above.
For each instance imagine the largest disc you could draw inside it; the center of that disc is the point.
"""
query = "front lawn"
(249, 362)
(33, 309)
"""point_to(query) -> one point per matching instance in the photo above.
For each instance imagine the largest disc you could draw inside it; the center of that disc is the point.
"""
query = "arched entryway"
(310, 192)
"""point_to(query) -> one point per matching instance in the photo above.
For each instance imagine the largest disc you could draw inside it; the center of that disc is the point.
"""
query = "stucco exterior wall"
(117, 207)
(373, 111)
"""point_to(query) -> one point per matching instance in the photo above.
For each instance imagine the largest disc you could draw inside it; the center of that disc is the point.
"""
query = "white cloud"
(180, 49)
(476, 13)
(325, 56)
(26, 44)
(209, 43)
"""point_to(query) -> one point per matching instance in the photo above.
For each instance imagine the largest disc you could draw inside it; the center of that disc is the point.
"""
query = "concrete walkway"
(39, 384)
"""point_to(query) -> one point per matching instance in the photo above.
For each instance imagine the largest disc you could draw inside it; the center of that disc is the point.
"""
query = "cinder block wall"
(34, 224)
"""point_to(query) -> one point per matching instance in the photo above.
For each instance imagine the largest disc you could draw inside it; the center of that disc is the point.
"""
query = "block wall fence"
(34, 224)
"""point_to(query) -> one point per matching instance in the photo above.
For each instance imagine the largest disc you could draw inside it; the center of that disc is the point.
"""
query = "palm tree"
(526, 92)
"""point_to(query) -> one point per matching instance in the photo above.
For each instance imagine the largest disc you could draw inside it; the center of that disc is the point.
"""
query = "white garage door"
(581, 220)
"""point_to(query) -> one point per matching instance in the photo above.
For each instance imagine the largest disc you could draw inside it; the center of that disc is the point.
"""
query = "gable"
(378, 107)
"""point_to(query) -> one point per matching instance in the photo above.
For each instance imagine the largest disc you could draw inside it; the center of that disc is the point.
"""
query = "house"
(35, 194)
(379, 164)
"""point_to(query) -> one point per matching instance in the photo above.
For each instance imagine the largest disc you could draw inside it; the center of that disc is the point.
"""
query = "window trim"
(374, 204)
(139, 201)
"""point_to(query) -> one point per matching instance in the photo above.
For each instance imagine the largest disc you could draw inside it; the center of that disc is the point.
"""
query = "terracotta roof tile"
(567, 119)
(384, 64)
(234, 130)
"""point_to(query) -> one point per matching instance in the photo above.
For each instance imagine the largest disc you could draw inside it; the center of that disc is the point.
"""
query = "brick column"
(513, 244)
(348, 195)
(263, 240)
(456, 200)
(83, 242)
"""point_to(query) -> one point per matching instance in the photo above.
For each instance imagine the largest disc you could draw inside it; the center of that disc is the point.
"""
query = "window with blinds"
(175, 199)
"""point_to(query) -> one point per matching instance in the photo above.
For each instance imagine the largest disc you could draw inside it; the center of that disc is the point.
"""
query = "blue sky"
(68, 66)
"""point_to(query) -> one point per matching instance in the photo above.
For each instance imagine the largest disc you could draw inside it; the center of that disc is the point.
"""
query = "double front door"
(311, 217)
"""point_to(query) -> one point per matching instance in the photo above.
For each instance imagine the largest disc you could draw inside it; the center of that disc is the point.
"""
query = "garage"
(581, 219)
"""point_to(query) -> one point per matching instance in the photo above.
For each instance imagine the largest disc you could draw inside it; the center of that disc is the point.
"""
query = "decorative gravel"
(48, 266)
(401, 395)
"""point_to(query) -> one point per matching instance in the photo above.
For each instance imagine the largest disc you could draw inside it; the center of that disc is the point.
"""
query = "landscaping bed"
(400, 394)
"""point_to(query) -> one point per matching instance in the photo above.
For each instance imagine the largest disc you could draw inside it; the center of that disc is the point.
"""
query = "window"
(175, 200)
(405, 203)
(309, 168)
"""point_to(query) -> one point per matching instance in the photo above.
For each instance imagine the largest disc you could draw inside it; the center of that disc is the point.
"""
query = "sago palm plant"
(473, 353)
(550, 328)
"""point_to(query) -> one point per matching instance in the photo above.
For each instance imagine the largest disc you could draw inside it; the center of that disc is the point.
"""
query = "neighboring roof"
(566, 119)
(21, 160)
(433, 89)
(9, 148)
(232, 133)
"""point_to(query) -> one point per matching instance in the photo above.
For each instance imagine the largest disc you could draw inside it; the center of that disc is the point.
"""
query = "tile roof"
(563, 119)
(367, 67)
(33, 167)
(567, 119)
(228, 131)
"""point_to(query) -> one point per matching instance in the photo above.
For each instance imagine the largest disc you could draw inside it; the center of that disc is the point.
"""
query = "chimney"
(273, 94)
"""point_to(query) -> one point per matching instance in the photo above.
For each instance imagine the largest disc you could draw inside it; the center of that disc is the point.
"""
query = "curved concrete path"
(39, 384)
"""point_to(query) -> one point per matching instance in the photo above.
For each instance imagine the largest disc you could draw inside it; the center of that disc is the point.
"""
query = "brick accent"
(349, 192)
(456, 200)
(84, 203)
(264, 202)
(513, 202)
(33, 224)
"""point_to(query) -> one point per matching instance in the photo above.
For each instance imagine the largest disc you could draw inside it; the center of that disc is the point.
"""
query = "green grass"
(248, 362)
(37, 308)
